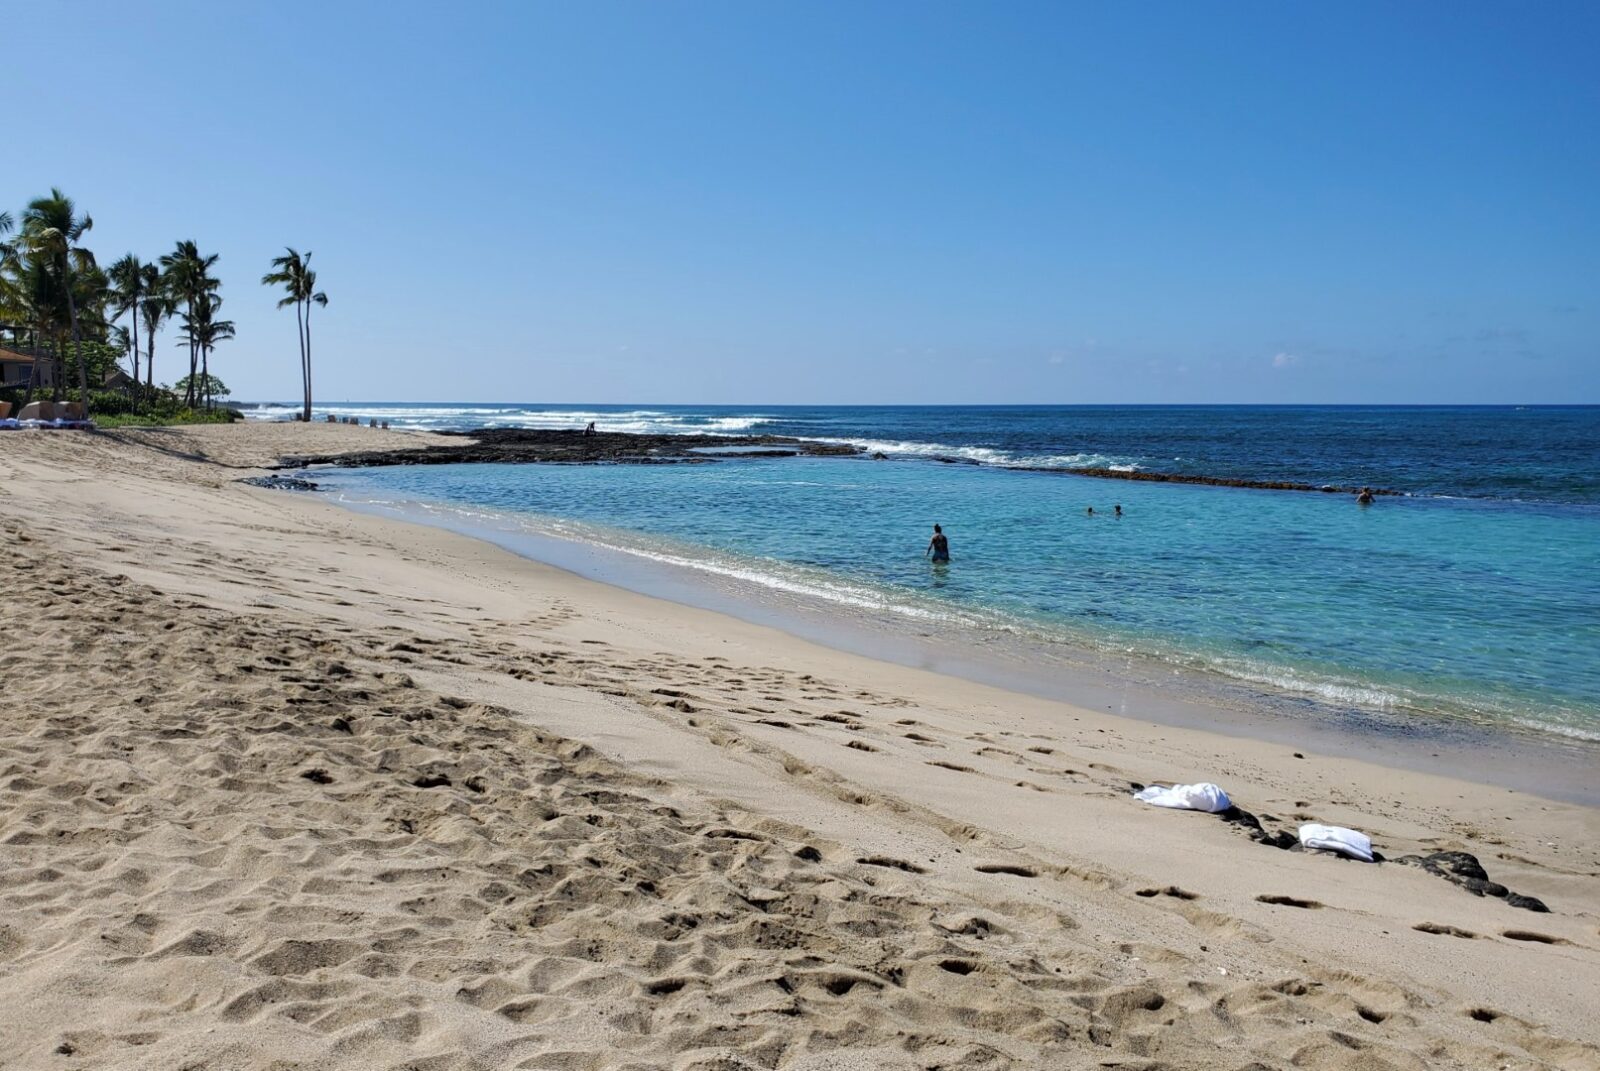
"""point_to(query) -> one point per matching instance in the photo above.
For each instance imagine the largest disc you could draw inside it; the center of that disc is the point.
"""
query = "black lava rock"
(1464, 869)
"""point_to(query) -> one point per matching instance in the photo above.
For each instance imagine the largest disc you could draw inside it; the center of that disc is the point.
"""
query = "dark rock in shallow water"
(529, 445)
(281, 483)
(1463, 869)
(1212, 481)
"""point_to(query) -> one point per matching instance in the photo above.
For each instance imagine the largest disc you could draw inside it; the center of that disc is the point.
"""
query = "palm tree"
(287, 273)
(312, 296)
(293, 273)
(122, 340)
(157, 306)
(203, 330)
(36, 295)
(187, 273)
(51, 229)
(10, 304)
(128, 290)
(25, 295)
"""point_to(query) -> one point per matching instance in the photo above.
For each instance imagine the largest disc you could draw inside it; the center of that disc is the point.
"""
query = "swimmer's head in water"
(936, 528)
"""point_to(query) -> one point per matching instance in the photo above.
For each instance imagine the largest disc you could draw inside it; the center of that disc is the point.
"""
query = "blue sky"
(876, 203)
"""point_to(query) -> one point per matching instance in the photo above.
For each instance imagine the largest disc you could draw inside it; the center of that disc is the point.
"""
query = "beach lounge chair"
(6, 423)
(38, 411)
(73, 415)
(5, 410)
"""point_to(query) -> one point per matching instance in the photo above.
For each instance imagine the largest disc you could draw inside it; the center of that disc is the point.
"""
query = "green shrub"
(180, 416)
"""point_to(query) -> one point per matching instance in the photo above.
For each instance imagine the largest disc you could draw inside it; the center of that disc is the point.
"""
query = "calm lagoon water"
(1475, 596)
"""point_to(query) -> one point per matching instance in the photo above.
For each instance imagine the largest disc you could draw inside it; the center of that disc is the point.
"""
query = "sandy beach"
(288, 786)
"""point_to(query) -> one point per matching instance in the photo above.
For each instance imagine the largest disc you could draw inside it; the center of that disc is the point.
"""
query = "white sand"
(283, 786)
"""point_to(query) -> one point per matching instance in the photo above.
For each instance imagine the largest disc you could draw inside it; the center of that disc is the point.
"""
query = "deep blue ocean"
(1473, 594)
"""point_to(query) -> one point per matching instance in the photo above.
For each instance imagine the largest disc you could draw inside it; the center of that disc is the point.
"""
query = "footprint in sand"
(1006, 868)
(1287, 901)
(892, 864)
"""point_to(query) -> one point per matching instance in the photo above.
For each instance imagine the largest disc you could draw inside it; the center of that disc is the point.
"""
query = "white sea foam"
(660, 422)
(1286, 680)
(1572, 732)
(471, 417)
(984, 455)
(769, 574)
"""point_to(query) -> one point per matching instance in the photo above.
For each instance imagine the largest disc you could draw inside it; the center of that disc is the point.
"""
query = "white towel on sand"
(1337, 839)
(1202, 797)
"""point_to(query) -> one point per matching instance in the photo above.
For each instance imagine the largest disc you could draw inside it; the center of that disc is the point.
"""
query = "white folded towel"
(1337, 839)
(1202, 797)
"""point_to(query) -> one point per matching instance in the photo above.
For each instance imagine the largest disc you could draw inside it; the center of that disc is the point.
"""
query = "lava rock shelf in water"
(531, 445)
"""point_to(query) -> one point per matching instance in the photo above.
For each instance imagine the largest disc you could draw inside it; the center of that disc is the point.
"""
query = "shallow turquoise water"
(1479, 608)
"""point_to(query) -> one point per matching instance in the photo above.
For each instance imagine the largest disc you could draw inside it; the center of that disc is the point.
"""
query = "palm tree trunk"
(133, 337)
(205, 372)
(33, 378)
(305, 369)
(77, 344)
(308, 360)
(33, 373)
(58, 347)
(150, 365)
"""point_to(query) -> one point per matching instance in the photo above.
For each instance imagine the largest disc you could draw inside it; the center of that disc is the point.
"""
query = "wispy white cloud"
(1284, 360)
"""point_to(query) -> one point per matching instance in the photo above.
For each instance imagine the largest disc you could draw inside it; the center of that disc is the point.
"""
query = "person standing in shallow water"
(938, 546)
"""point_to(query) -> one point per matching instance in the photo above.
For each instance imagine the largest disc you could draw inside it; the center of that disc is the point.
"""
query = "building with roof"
(16, 367)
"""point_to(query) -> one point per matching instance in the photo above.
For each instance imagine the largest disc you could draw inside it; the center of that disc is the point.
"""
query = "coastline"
(936, 799)
(1526, 759)
(551, 446)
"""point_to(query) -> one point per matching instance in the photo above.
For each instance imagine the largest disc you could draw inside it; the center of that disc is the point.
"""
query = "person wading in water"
(938, 546)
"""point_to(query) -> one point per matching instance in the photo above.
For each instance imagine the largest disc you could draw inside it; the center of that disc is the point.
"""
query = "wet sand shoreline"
(1525, 759)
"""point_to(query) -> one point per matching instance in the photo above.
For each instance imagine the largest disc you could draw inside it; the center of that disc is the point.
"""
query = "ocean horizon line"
(931, 405)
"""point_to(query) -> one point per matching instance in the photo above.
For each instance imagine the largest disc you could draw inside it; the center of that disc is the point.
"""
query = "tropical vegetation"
(91, 333)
